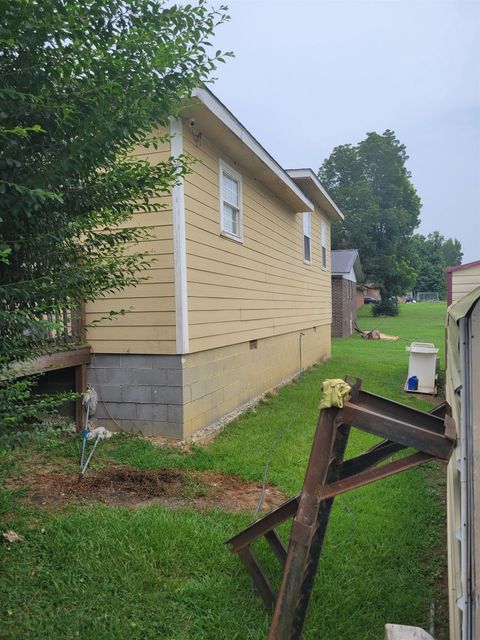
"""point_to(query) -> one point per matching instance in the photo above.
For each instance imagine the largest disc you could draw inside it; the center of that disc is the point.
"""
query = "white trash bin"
(422, 364)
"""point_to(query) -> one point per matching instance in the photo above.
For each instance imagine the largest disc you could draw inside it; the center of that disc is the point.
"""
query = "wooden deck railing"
(65, 348)
(71, 326)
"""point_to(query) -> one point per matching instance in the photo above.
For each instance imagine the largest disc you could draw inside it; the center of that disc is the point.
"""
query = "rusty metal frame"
(328, 475)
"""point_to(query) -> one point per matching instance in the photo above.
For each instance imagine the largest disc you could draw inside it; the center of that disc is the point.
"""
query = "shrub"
(385, 308)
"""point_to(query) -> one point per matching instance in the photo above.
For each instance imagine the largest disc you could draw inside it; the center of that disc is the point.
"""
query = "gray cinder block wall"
(141, 393)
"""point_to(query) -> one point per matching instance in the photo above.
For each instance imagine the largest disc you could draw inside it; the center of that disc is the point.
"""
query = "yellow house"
(239, 298)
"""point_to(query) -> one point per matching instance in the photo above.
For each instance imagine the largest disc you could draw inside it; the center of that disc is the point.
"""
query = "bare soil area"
(134, 488)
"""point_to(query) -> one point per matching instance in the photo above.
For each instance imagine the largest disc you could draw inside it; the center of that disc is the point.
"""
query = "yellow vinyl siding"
(220, 380)
(149, 325)
(464, 281)
(255, 289)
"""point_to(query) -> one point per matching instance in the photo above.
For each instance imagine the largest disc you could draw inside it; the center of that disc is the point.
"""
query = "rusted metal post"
(277, 546)
(261, 527)
(327, 476)
(323, 517)
(260, 580)
(304, 527)
(388, 425)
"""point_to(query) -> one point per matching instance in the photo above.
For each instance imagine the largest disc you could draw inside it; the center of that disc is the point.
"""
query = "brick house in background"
(346, 275)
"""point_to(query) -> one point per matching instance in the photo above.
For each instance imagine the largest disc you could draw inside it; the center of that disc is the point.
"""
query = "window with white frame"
(230, 202)
(307, 237)
(324, 244)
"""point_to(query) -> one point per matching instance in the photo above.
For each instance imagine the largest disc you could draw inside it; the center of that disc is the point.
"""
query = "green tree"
(452, 252)
(82, 83)
(372, 186)
(434, 254)
(430, 263)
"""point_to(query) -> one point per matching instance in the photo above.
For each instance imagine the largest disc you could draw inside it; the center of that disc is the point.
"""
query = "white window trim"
(224, 167)
(308, 235)
(323, 226)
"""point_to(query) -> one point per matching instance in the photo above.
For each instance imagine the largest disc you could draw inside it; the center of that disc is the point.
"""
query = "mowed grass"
(107, 573)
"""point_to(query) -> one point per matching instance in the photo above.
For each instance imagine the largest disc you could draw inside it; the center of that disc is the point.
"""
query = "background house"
(346, 273)
(360, 295)
(239, 299)
(371, 291)
(461, 280)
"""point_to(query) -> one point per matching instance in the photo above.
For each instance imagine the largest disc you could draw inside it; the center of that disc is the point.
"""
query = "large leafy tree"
(434, 253)
(372, 186)
(430, 263)
(82, 83)
(452, 252)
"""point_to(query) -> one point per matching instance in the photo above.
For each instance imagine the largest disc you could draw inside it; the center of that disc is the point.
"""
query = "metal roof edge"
(462, 307)
(460, 267)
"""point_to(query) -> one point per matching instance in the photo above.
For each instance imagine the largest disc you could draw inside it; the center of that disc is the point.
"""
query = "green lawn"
(101, 572)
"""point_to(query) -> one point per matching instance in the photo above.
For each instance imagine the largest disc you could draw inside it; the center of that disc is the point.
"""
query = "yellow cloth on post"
(335, 391)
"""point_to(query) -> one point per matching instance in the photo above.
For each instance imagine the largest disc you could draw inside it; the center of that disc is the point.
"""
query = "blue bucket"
(412, 383)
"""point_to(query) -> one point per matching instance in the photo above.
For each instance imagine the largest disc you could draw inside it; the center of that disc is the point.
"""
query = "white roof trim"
(308, 173)
(219, 110)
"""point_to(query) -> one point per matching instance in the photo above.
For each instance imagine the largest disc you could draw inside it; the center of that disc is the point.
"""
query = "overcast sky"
(310, 75)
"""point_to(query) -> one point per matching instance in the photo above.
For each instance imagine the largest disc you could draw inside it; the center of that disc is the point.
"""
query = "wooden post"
(80, 387)
(81, 370)
(78, 323)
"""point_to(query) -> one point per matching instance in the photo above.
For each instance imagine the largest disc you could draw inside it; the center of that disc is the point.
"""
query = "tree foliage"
(82, 83)
(433, 255)
(372, 186)
(452, 252)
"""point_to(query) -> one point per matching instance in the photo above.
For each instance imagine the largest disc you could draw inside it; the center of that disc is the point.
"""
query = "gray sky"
(310, 75)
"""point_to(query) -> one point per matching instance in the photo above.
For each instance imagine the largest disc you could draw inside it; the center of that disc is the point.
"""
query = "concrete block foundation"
(137, 394)
(175, 396)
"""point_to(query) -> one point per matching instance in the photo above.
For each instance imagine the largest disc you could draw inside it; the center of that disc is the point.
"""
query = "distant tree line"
(433, 254)
(372, 186)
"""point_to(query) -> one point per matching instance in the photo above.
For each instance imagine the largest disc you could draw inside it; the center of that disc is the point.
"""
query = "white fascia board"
(179, 244)
(309, 174)
(228, 119)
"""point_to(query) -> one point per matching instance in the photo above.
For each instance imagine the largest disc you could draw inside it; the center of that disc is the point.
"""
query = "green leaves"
(82, 84)
(433, 255)
(371, 185)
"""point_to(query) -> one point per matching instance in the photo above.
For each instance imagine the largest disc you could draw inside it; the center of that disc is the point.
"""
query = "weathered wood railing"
(70, 326)
(65, 348)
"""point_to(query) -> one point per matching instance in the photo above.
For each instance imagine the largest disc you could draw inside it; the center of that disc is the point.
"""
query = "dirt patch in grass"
(134, 488)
